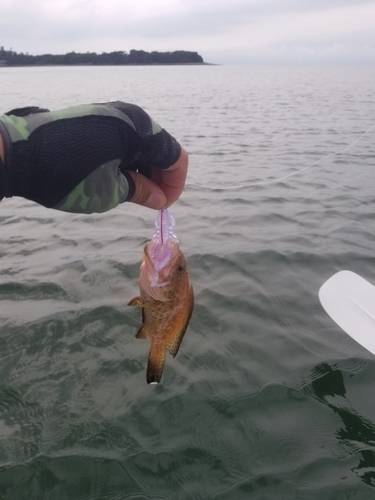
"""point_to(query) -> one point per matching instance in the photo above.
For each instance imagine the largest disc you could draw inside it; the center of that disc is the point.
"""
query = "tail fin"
(155, 366)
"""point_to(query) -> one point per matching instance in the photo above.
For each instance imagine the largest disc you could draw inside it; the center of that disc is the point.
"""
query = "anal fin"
(141, 334)
(174, 347)
(155, 365)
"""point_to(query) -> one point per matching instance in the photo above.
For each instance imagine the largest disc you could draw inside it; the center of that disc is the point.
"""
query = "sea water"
(268, 398)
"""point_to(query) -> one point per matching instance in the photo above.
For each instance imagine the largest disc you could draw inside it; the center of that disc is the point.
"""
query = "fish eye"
(181, 269)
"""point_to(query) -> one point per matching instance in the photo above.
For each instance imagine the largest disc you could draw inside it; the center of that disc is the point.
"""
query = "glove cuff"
(5, 184)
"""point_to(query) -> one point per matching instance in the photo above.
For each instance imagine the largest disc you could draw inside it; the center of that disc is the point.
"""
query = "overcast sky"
(222, 31)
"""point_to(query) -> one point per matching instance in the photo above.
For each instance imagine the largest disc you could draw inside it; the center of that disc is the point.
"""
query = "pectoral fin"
(135, 301)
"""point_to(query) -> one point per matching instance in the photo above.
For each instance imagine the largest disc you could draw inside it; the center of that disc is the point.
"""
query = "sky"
(221, 31)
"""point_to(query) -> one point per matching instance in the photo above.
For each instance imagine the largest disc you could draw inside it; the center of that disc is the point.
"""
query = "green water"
(268, 398)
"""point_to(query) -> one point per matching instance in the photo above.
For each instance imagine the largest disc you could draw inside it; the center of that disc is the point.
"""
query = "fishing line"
(263, 183)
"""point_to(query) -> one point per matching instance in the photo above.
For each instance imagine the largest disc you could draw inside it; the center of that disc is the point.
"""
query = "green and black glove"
(76, 159)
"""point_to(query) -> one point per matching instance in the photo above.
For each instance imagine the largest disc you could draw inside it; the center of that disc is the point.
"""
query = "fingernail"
(156, 200)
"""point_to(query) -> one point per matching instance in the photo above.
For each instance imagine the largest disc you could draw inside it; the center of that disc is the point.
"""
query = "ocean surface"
(268, 398)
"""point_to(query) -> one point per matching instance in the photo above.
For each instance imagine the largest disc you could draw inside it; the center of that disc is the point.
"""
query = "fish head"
(163, 268)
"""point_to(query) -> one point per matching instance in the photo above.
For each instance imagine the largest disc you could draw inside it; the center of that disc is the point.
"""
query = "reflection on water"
(358, 433)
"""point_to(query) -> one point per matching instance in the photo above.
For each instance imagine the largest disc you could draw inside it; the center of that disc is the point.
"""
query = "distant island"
(118, 58)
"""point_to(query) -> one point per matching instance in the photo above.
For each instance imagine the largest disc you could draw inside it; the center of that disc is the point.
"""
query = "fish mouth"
(150, 280)
(160, 256)
(154, 274)
(148, 256)
(157, 258)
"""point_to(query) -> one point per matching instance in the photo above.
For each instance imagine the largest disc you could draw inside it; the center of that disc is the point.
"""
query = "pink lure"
(161, 250)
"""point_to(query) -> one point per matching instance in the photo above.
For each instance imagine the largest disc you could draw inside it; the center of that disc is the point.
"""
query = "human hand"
(164, 187)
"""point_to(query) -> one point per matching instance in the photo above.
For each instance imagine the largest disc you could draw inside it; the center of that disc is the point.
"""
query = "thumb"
(147, 193)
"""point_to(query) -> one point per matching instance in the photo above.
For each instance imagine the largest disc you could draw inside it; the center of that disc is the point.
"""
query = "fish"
(166, 296)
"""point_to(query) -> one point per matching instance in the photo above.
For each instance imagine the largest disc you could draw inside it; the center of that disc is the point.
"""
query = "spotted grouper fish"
(166, 296)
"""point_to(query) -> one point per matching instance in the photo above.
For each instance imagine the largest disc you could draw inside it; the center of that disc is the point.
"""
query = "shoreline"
(103, 65)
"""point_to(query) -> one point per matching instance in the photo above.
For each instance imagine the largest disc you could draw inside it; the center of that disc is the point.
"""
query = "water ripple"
(267, 397)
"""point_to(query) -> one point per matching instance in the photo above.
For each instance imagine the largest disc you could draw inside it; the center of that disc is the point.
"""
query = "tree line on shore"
(11, 58)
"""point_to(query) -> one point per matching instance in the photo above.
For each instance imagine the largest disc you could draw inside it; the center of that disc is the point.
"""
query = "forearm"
(76, 159)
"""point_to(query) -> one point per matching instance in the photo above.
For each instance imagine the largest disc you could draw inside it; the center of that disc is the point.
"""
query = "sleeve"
(75, 159)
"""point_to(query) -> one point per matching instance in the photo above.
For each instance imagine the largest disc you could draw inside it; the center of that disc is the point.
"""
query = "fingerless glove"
(76, 159)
